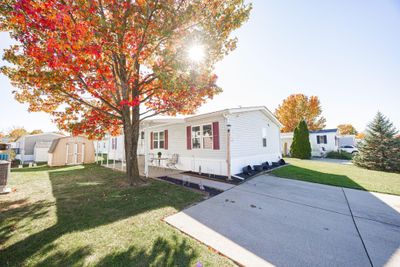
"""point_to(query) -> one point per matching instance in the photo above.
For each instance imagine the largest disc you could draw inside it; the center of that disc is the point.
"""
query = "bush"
(339, 155)
(301, 147)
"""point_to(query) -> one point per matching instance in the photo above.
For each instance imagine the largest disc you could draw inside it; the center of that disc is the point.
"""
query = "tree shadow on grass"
(72, 257)
(162, 253)
(86, 198)
(13, 211)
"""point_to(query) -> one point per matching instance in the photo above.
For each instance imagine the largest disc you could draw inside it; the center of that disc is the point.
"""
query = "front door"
(70, 154)
(75, 153)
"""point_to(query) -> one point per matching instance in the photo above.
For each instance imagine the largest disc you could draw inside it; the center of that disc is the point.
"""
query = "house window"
(264, 137)
(202, 137)
(196, 137)
(322, 139)
(207, 136)
(158, 140)
(114, 143)
(142, 135)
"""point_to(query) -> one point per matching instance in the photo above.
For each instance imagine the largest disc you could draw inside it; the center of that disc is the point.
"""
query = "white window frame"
(159, 140)
(201, 136)
(114, 141)
(323, 138)
(212, 136)
(264, 137)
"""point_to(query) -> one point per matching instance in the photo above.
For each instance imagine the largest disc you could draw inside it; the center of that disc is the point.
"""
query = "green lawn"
(340, 175)
(87, 215)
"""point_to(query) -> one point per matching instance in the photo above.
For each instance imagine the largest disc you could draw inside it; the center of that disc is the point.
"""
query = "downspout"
(146, 161)
(228, 146)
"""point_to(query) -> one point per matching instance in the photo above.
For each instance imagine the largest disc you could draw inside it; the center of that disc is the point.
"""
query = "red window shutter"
(215, 127)
(151, 141)
(166, 139)
(189, 137)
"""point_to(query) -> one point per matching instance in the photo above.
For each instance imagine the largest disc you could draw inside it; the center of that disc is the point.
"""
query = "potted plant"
(159, 155)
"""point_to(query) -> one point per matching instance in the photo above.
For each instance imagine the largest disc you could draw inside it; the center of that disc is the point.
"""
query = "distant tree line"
(16, 132)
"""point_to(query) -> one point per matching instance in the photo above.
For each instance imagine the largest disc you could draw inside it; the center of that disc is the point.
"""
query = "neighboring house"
(70, 150)
(101, 146)
(219, 143)
(286, 142)
(34, 148)
(321, 142)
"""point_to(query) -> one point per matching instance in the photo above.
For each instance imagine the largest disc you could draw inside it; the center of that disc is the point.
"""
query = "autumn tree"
(360, 136)
(37, 131)
(345, 129)
(299, 107)
(105, 65)
(16, 132)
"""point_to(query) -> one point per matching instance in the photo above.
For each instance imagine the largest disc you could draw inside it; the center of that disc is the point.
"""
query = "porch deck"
(156, 172)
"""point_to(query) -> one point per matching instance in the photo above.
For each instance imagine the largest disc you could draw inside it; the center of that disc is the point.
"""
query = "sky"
(346, 52)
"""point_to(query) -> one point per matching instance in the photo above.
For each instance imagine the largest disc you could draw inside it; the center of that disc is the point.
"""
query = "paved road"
(282, 222)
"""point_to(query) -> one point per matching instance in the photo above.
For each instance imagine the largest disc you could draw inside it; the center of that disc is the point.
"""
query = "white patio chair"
(151, 158)
(171, 162)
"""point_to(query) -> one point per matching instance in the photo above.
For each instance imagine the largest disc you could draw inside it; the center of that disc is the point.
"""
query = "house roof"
(324, 131)
(55, 142)
(263, 109)
(38, 135)
(290, 134)
(168, 121)
(54, 145)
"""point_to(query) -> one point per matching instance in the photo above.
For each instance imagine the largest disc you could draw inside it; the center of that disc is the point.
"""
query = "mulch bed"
(211, 191)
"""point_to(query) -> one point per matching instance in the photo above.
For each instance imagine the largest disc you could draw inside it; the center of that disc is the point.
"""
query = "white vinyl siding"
(208, 160)
(248, 131)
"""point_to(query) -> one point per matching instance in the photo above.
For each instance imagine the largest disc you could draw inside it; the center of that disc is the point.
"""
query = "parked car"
(349, 149)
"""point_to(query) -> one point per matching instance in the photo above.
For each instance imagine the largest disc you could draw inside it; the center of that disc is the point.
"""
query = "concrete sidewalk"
(274, 221)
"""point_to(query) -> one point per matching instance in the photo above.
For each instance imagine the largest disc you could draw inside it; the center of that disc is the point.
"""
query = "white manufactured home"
(219, 143)
(321, 142)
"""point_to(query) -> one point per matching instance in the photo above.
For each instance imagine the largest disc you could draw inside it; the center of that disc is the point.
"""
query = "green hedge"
(339, 155)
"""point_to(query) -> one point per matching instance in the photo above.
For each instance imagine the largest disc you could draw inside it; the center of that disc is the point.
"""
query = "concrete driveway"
(282, 222)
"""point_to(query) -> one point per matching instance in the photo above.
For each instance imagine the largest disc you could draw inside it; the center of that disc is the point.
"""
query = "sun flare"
(196, 53)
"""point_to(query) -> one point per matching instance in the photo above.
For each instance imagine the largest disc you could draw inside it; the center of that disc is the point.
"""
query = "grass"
(89, 216)
(336, 174)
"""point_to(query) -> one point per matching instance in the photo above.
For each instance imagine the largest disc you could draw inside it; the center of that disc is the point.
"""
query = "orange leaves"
(345, 129)
(88, 62)
(297, 107)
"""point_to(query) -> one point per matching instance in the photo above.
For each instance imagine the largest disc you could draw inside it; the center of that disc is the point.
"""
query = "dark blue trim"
(324, 131)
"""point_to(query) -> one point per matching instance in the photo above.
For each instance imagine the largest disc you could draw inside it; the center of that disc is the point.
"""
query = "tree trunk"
(131, 137)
